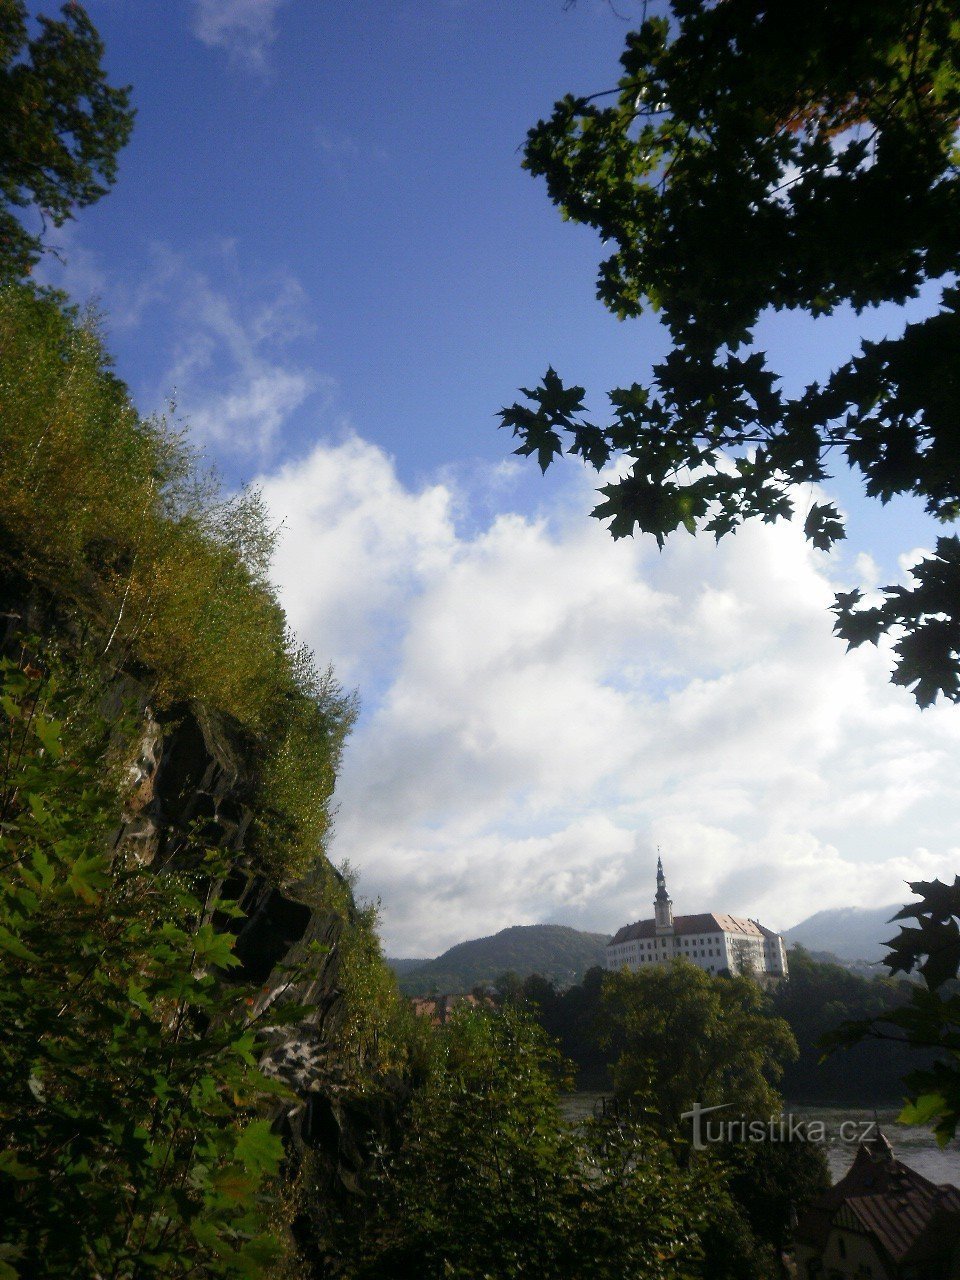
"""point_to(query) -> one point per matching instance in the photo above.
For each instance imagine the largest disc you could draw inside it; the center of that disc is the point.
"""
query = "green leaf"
(48, 731)
(9, 943)
(923, 1109)
(215, 948)
(259, 1150)
(89, 876)
(12, 1167)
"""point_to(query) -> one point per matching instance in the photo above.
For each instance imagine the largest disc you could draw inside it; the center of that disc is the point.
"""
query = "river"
(842, 1127)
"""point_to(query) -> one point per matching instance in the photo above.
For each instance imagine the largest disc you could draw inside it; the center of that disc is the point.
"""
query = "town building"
(439, 1009)
(881, 1221)
(715, 942)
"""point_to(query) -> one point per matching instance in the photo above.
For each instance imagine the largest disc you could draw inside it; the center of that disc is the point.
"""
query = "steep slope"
(556, 951)
(136, 608)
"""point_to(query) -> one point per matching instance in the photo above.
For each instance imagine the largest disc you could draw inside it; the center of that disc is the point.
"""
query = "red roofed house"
(712, 941)
(439, 1008)
(882, 1221)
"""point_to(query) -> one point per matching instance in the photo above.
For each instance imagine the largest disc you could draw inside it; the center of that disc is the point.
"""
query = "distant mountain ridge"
(556, 951)
(849, 933)
(401, 965)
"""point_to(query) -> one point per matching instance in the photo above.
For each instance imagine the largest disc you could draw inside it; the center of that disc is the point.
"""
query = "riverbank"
(842, 1128)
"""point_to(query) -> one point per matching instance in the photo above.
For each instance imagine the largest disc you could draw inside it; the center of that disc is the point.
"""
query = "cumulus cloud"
(544, 707)
(243, 28)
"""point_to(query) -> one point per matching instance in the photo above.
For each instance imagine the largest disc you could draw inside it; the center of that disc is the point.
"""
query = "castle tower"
(662, 905)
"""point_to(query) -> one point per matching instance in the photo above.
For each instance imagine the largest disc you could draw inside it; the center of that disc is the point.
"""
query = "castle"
(714, 942)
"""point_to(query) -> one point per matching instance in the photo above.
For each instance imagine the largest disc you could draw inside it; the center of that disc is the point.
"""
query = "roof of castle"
(706, 922)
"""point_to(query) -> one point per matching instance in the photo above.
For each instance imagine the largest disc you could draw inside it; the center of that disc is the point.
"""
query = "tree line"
(813, 1002)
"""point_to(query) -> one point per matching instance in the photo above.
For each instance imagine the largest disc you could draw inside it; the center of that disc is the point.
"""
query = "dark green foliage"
(488, 1181)
(554, 950)
(930, 1021)
(684, 1038)
(130, 1139)
(757, 157)
(574, 1019)
(61, 125)
(769, 1179)
(815, 1000)
(690, 1038)
(111, 518)
(677, 1036)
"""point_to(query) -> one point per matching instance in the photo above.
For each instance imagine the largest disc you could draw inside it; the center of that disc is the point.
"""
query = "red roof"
(907, 1216)
(439, 1008)
(706, 922)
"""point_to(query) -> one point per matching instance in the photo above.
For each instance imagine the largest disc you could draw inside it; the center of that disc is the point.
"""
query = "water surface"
(843, 1127)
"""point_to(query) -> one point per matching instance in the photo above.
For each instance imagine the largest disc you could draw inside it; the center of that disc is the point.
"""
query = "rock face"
(190, 775)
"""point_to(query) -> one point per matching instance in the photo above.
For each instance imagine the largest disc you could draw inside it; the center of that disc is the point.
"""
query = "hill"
(556, 951)
(849, 933)
(404, 965)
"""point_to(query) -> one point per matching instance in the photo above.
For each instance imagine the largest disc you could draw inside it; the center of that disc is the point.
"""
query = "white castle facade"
(714, 942)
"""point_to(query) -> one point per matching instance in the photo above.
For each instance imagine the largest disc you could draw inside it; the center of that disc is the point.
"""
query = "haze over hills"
(556, 951)
(849, 933)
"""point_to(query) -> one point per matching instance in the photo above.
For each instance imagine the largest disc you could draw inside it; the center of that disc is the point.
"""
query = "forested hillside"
(555, 951)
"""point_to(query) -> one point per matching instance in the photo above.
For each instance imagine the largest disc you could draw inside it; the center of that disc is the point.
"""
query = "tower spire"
(662, 903)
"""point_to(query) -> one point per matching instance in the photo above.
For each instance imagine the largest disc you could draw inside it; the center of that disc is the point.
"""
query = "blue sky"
(371, 152)
(323, 246)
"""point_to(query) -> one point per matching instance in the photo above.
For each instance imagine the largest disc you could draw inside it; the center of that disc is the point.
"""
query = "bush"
(489, 1181)
(132, 1136)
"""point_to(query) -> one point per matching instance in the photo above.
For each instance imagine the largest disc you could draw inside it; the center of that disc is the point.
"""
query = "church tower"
(662, 905)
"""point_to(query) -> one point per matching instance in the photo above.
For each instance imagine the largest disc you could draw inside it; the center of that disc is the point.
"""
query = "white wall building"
(711, 941)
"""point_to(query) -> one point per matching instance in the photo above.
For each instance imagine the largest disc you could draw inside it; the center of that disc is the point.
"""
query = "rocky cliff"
(189, 775)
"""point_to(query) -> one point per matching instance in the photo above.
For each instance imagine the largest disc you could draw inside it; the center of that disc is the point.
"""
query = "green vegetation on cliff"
(168, 758)
(133, 1141)
(109, 520)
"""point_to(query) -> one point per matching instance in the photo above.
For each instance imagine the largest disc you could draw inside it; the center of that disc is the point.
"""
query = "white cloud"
(230, 371)
(543, 707)
(234, 357)
(355, 546)
(244, 28)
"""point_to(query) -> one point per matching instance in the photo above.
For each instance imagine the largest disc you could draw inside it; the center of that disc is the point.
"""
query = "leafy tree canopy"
(489, 1181)
(757, 157)
(688, 1037)
(61, 125)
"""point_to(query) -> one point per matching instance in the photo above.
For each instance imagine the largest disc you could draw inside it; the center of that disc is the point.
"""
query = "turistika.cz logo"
(782, 1128)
